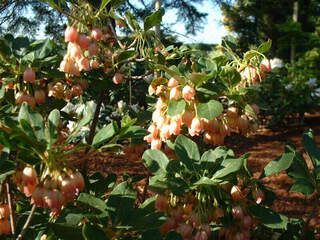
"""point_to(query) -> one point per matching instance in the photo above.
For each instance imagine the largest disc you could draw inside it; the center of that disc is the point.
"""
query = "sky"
(212, 32)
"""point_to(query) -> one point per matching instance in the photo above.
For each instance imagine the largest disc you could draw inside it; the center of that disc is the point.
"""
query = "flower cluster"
(39, 94)
(84, 53)
(58, 189)
(184, 218)
(54, 191)
(214, 130)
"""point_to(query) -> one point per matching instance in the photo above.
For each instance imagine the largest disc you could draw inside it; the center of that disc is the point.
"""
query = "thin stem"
(95, 117)
(141, 76)
(115, 34)
(130, 92)
(94, 125)
(68, 14)
(10, 208)
(26, 225)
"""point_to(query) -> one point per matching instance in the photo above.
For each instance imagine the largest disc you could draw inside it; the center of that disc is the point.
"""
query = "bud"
(195, 127)
(236, 193)
(265, 65)
(232, 112)
(258, 195)
(83, 64)
(175, 93)
(237, 212)
(40, 96)
(175, 127)
(243, 122)
(29, 75)
(164, 131)
(188, 93)
(97, 34)
(117, 78)
(71, 34)
(151, 90)
(84, 42)
(156, 144)
(161, 203)
(172, 83)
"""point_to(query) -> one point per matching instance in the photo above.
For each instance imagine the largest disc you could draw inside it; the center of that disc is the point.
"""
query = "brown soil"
(264, 146)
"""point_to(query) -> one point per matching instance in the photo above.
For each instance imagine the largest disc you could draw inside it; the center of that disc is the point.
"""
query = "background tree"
(187, 11)
(254, 21)
(29, 17)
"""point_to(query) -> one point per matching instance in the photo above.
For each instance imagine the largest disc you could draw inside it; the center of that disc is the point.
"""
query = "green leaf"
(186, 150)
(171, 72)
(103, 5)
(74, 219)
(230, 76)
(92, 201)
(281, 163)
(148, 204)
(127, 121)
(310, 146)
(134, 132)
(269, 217)
(92, 232)
(7, 167)
(34, 119)
(45, 50)
(303, 186)
(125, 55)
(28, 157)
(249, 110)
(5, 50)
(176, 107)
(65, 231)
(53, 123)
(175, 166)
(147, 220)
(132, 21)
(29, 58)
(210, 109)
(205, 181)
(20, 42)
(211, 159)
(28, 130)
(249, 55)
(228, 166)
(100, 184)
(104, 134)
(298, 168)
(173, 235)
(155, 160)
(88, 115)
(153, 20)
(121, 202)
(264, 47)
(199, 78)
(152, 234)
(230, 41)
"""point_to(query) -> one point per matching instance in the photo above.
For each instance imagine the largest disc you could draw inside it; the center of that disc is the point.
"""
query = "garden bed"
(263, 146)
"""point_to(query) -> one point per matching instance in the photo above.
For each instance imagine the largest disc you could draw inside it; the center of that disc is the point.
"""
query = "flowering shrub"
(201, 193)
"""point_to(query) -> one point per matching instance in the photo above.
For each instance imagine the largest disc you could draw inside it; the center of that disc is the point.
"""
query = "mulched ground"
(264, 146)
